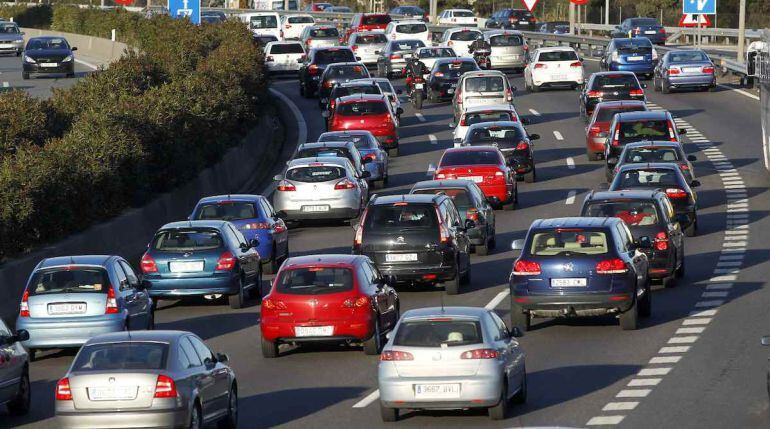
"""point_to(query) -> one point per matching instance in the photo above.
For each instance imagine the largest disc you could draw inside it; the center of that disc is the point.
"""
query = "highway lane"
(40, 86)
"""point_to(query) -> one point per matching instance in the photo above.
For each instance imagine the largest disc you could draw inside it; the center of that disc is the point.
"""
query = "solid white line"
(433, 139)
(644, 382)
(740, 91)
(570, 197)
(91, 66)
(620, 406)
(497, 299)
(570, 163)
(558, 135)
(420, 117)
(368, 400)
(647, 372)
(676, 349)
(605, 420)
(633, 393)
(535, 112)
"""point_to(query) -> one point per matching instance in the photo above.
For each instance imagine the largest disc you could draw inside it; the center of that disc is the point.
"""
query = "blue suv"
(587, 266)
(631, 54)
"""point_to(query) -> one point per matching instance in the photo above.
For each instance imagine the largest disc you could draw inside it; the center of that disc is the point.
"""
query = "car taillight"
(372, 156)
(308, 41)
(526, 268)
(354, 48)
(636, 92)
(391, 355)
(459, 96)
(480, 354)
(327, 84)
(226, 262)
(344, 184)
(508, 95)
(279, 227)
(676, 193)
(111, 307)
(616, 136)
(611, 266)
(269, 59)
(708, 69)
(541, 66)
(594, 93)
(684, 167)
(395, 56)
(472, 214)
(576, 64)
(442, 228)
(148, 264)
(439, 74)
(360, 302)
(512, 20)
(270, 304)
(24, 306)
(673, 71)
(671, 133)
(285, 186)
(255, 225)
(595, 130)
(654, 55)
(359, 238)
(615, 56)
(63, 391)
(522, 146)
(165, 387)
(661, 241)
(312, 69)
(463, 122)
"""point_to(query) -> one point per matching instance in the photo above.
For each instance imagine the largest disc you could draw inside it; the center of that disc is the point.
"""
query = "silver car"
(509, 50)
(11, 39)
(147, 379)
(481, 88)
(367, 45)
(69, 299)
(320, 188)
(370, 150)
(451, 358)
(392, 59)
(319, 36)
(15, 391)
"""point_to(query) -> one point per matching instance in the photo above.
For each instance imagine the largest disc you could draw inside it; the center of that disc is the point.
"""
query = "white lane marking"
(683, 340)
(620, 406)
(301, 130)
(433, 139)
(570, 163)
(558, 135)
(570, 197)
(690, 330)
(497, 299)
(535, 112)
(644, 382)
(704, 313)
(664, 359)
(605, 420)
(711, 303)
(368, 400)
(633, 393)
(698, 321)
(647, 372)
(740, 91)
(420, 117)
(90, 66)
(675, 349)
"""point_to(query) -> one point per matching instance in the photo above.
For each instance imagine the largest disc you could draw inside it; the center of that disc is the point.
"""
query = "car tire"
(521, 396)
(32, 355)
(272, 266)
(196, 419)
(535, 88)
(25, 75)
(19, 406)
(656, 84)
(151, 321)
(645, 304)
(510, 205)
(712, 88)
(499, 411)
(269, 349)
(388, 414)
(466, 278)
(230, 421)
(393, 152)
(70, 75)
(629, 320)
(452, 287)
(373, 345)
(665, 88)
(237, 300)
(592, 156)
(680, 270)
(520, 318)
(483, 249)
(531, 177)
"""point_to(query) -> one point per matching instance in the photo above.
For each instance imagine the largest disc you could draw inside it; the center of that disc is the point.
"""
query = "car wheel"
(531, 176)
(32, 355)
(592, 156)
(373, 345)
(301, 89)
(452, 287)
(535, 88)
(499, 411)
(269, 349)
(493, 241)
(665, 87)
(272, 266)
(629, 320)
(388, 414)
(196, 420)
(520, 318)
(19, 406)
(483, 249)
(680, 269)
(393, 152)
(230, 421)
(236, 301)
(466, 278)
(645, 304)
(691, 230)
(712, 88)
(521, 396)
(656, 84)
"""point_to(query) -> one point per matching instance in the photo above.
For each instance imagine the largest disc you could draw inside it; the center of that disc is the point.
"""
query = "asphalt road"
(38, 85)
(575, 367)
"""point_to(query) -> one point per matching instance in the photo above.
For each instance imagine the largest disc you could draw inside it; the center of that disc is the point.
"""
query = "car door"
(674, 229)
(219, 386)
(638, 259)
(383, 292)
(141, 300)
(514, 357)
(458, 226)
(392, 296)
(486, 210)
(127, 295)
(248, 258)
(201, 378)
(11, 366)
(280, 232)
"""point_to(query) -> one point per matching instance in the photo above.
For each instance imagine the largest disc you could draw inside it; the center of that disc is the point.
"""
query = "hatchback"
(411, 30)
(338, 73)
(367, 22)
(509, 50)
(387, 89)
(460, 39)
(263, 23)
(16, 393)
(319, 36)
(369, 148)
(429, 54)
(634, 55)
(629, 127)
(481, 88)
(648, 28)
(519, 19)
(554, 67)
(587, 266)
(339, 90)
(685, 69)
(328, 298)
(392, 59)
(609, 86)
(292, 26)
(413, 12)
(367, 45)
(417, 239)
(451, 358)
(200, 258)
(69, 299)
(11, 38)
(367, 112)
(283, 56)
(513, 141)
(471, 204)
(555, 27)
(485, 166)
(484, 113)
(314, 64)
(255, 218)
(657, 151)
(599, 124)
(168, 379)
(47, 55)
(445, 74)
(342, 149)
(456, 17)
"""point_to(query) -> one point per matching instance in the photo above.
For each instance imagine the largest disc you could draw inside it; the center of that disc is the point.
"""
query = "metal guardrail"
(706, 32)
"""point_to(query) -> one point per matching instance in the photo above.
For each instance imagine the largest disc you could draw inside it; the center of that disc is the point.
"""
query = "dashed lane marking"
(534, 112)
(433, 139)
(420, 117)
(558, 135)
(570, 163)
(498, 299)
(570, 197)
(368, 400)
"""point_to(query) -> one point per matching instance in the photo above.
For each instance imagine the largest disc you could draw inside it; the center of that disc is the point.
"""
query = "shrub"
(24, 120)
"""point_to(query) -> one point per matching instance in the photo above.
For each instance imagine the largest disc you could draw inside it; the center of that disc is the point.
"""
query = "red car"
(485, 166)
(317, 7)
(369, 113)
(328, 298)
(599, 125)
(366, 22)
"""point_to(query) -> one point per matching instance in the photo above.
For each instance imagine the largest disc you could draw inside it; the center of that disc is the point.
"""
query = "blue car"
(685, 69)
(254, 217)
(200, 258)
(587, 266)
(631, 54)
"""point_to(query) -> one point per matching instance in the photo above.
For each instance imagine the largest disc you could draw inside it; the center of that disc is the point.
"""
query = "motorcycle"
(482, 58)
(415, 85)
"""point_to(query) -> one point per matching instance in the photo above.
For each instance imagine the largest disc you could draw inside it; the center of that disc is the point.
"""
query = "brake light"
(661, 241)
(472, 214)
(269, 59)
(328, 84)
(671, 133)
(522, 145)
(616, 136)
(480, 354)
(463, 123)
(312, 69)
(24, 306)
(439, 74)
(526, 268)
(63, 391)
(269, 304)
(279, 227)
(636, 92)
(391, 355)
(165, 387)
(285, 186)
(508, 95)
(512, 19)
(344, 184)
(594, 94)
(395, 56)
(148, 264)
(111, 306)
(576, 64)
(360, 302)
(611, 266)
(307, 42)
(459, 96)
(708, 69)
(359, 238)
(673, 71)
(684, 167)
(676, 193)
(442, 228)
(595, 130)
(372, 156)
(226, 262)
(541, 66)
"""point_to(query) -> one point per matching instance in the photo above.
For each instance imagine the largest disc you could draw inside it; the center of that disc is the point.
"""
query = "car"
(412, 12)
(609, 86)
(599, 124)
(262, 40)
(11, 38)
(337, 73)
(69, 299)
(317, 7)
(484, 165)
(319, 36)
(554, 27)
(202, 258)
(367, 45)
(48, 55)
(263, 23)
(147, 379)
(367, 112)
(292, 26)
(342, 149)
(657, 151)
(283, 56)
(648, 28)
(328, 298)
(314, 64)
(392, 60)
(351, 87)
(508, 49)
(512, 19)
(647, 213)
(471, 204)
(367, 22)
(460, 39)
(374, 157)
(418, 239)
(429, 54)
(482, 363)
(554, 67)
(16, 393)
(580, 266)
(325, 187)
(445, 74)
(685, 69)
(628, 127)
(513, 141)
(484, 113)
(631, 54)
(387, 89)
(669, 178)
(481, 88)
(456, 17)
(254, 217)
(213, 16)
(338, 9)
(408, 30)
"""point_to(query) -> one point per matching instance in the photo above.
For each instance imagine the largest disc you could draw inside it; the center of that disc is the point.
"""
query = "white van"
(412, 29)
(263, 23)
(283, 56)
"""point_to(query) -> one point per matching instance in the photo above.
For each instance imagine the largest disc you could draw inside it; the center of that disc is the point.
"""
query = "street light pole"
(571, 18)
(606, 12)
(742, 32)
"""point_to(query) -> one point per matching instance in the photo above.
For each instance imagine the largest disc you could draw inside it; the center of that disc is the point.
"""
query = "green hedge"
(35, 17)
(150, 122)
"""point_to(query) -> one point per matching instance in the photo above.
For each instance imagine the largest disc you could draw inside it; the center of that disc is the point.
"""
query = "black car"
(414, 12)
(580, 266)
(417, 239)
(657, 151)
(629, 127)
(344, 89)
(472, 204)
(263, 39)
(48, 55)
(647, 213)
(392, 60)
(609, 86)
(554, 27)
(339, 73)
(512, 140)
(445, 74)
(314, 64)
(512, 19)
(669, 179)
(641, 27)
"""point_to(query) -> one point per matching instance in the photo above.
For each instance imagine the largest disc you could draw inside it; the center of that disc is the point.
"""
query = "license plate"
(450, 91)
(436, 391)
(418, 86)
(67, 308)
(474, 179)
(401, 257)
(568, 282)
(49, 65)
(185, 266)
(559, 77)
(691, 69)
(650, 32)
(313, 331)
(6, 45)
(315, 209)
(635, 58)
(118, 393)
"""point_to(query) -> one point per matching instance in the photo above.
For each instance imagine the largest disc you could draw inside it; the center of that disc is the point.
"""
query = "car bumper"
(419, 273)
(356, 329)
(11, 48)
(388, 141)
(346, 206)
(182, 287)
(507, 61)
(497, 193)
(596, 144)
(68, 332)
(477, 391)
(568, 80)
(478, 235)
(68, 67)
(333, 213)
(585, 304)
(692, 81)
(646, 68)
(444, 89)
(69, 418)
(282, 67)
(657, 38)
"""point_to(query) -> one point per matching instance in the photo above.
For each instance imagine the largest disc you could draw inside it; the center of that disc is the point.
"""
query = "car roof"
(574, 222)
(330, 48)
(283, 42)
(330, 259)
(357, 82)
(461, 29)
(75, 260)
(323, 160)
(456, 9)
(449, 60)
(495, 124)
(346, 63)
(360, 97)
(653, 143)
(446, 183)
(408, 21)
(47, 38)
(483, 108)
(345, 133)
(642, 115)
(408, 198)
(472, 149)
(229, 197)
(427, 312)
(632, 194)
(123, 336)
(406, 40)
(621, 103)
(342, 144)
(367, 33)
(483, 73)
(556, 49)
(216, 224)
(607, 73)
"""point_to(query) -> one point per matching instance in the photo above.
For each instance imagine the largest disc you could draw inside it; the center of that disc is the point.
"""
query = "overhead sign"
(690, 20)
(530, 4)
(706, 7)
(190, 9)
(579, 2)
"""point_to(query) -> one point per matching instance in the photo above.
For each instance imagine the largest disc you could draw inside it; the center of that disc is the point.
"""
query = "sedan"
(685, 69)
(369, 148)
(599, 124)
(481, 363)
(48, 55)
(14, 373)
(484, 113)
(428, 55)
(319, 36)
(609, 86)
(513, 141)
(11, 38)
(657, 151)
(392, 59)
(338, 73)
(445, 74)
(168, 379)
(367, 112)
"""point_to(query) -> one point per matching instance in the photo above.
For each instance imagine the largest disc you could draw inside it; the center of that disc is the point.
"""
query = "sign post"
(699, 7)
(190, 9)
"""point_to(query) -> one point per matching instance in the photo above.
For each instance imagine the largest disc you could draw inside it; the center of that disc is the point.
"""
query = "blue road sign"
(190, 9)
(699, 7)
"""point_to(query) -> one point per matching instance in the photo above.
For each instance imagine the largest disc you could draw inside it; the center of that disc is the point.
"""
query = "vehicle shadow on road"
(559, 153)
(42, 406)
(267, 410)
(215, 325)
(535, 198)
(551, 117)
(716, 197)
(683, 113)
(559, 171)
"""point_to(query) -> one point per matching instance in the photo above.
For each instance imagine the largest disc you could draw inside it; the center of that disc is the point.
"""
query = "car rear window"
(361, 141)
(371, 39)
(362, 108)
(557, 56)
(401, 216)
(226, 210)
(342, 91)
(465, 36)
(314, 281)
(264, 39)
(475, 118)
(121, 356)
(484, 84)
(315, 173)
(460, 196)
(633, 213)
(646, 178)
(411, 28)
(654, 129)
(496, 135)
(72, 279)
(259, 22)
(321, 152)
(436, 53)
(463, 13)
(287, 48)
(185, 240)
(346, 71)
(682, 57)
(605, 114)
(506, 40)
(645, 155)
(611, 81)
(410, 10)
(324, 32)
(470, 157)
(406, 45)
(457, 66)
(439, 332)
(301, 20)
(376, 20)
(328, 56)
(569, 241)
(645, 21)
(637, 45)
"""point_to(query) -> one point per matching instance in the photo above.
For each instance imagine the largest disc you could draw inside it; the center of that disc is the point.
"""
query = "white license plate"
(185, 266)
(401, 257)
(315, 209)
(474, 179)
(49, 65)
(450, 91)
(559, 77)
(418, 86)
(67, 308)
(118, 393)
(568, 282)
(436, 391)
(691, 69)
(650, 32)
(635, 58)
(313, 331)
(6, 45)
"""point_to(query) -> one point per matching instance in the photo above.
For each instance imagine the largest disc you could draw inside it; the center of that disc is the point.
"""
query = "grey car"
(685, 69)
(370, 149)
(451, 358)
(69, 299)
(15, 391)
(11, 39)
(392, 60)
(509, 50)
(148, 379)
(319, 36)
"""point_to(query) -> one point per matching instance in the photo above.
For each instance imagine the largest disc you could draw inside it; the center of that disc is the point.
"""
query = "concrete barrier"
(92, 51)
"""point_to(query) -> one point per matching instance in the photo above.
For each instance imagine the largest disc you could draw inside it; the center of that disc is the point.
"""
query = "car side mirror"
(692, 158)
(694, 183)
(358, 58)
(221, 357)
(389, 335)
(21, 335)
(682, 131)
(389, 279)
(431, 169)
(534, 136)
(400, 111)
(325, 114)
(516, 332)
(644, 242)
(377, 52)
(300, 60)
(74, 48)
(210, 362)
(366, 174)
(470, 224)
(766, 341)
(517, 244)
(253, 243)
(612, 160)
(617, 27)
(278, 177)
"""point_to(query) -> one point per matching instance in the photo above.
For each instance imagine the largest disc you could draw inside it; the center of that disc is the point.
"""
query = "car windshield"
(648, 154)
(326, 32)
(438, 332)
(557, 56)
(612, 81)
(287, 48)
(463, 14)
(314, 281)
(475, 118)
(265, 21)
(484, 84)
(638, 45)
(226, 210)
(329, 56)
(470, 157)
(187, 240)
(371, 39)
(342, 91)
(385, 86)
(459, 67)
(361, 141)
(36, 44)
(336, 71)
(131, 355)
(605, 114)
(506, 40)
(406, 45)
(436, 53)
(411, 28)
(401, 216)
(9, 29)
(569, 241)
(646, 178)
(211, 19)
(460, 196)
(643, 130)
(362, 108)
(465, 35)
(495, 135)
(376, 20)
(633, 213)
(301, 20)
(687, 56)
(70, 279)
(315, 173)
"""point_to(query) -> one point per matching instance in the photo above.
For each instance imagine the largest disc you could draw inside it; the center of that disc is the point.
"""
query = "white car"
(283, 56)
(460, 39)
(430, 54)
(263, 23)
(367, 45)
(457, 17)
(477, 114)
(292, 25)
(554, 67)
(412, 29)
